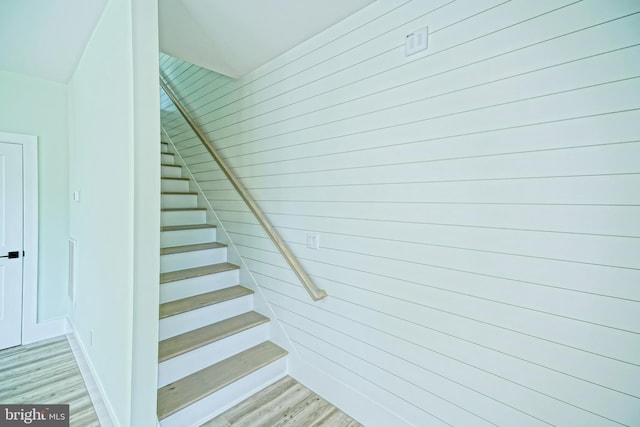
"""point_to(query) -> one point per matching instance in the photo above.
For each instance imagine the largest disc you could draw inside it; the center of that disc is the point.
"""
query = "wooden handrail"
(314, 292)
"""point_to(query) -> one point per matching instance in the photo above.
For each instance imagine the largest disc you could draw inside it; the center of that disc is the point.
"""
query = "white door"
(11, 232)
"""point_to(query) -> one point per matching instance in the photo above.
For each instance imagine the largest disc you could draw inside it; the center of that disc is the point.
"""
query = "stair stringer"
(277, 333)
(302, 368)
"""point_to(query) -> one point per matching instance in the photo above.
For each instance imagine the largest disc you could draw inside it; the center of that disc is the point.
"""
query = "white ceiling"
(234, 37)
(45, 38)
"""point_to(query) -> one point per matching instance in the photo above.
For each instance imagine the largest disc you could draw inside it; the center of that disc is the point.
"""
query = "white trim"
(346, 398)
(94, 387)
(32, 331)
(73, 270)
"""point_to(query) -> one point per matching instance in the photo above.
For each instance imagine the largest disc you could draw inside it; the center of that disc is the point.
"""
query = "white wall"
(111, 141)
(478, 206)
(146, 155)
(38, 107)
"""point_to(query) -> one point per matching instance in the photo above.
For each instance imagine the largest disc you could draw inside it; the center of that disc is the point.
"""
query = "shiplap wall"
(478, 204)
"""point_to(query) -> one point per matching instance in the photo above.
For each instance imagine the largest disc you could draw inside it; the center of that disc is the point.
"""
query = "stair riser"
(168, 159)
(187, 237)
(185, 322)
(172, 201)
(216, 403)
(171, 172)
(182, 218)
(198, 285)
(195, 360)
(176, 185)
(184, 260)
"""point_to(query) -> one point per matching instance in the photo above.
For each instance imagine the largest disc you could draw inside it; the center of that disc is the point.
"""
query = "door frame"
(30, 330)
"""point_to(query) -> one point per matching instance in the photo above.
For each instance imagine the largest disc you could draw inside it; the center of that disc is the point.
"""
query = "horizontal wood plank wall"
(478, 204)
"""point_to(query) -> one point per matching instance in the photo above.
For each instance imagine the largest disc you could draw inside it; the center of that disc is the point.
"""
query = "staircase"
(214, 350)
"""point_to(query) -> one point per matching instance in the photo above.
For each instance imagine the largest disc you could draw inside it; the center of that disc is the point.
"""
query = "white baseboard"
(350, 401)
(96, 390)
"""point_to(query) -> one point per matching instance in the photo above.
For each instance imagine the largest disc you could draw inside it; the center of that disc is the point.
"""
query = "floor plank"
(46, 373)
(285, 403)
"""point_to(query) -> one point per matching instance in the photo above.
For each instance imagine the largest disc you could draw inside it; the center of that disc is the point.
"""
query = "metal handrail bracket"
(315, 292)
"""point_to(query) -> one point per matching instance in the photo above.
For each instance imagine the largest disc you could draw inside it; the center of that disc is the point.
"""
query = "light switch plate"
(416, 41)
(313, 240)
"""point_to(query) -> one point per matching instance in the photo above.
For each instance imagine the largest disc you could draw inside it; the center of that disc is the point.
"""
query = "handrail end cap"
(320, 295)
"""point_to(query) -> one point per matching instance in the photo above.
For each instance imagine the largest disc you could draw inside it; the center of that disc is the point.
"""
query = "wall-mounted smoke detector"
(416, 41)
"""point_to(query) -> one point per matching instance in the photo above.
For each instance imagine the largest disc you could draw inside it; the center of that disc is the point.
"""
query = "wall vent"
(71, 290)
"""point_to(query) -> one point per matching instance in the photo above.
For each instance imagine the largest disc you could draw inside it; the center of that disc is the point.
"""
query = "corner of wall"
(352, 402)
(96, 391)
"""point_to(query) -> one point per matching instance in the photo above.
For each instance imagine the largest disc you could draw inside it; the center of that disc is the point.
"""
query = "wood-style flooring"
(46, 373)
(284, 403)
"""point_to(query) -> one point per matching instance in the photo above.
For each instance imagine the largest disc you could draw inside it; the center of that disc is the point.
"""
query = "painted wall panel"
(38, 107)
(477, 205)
(112, 109)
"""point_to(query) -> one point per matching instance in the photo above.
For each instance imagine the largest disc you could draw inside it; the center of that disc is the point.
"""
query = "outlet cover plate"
(416, 41)
(313, 240)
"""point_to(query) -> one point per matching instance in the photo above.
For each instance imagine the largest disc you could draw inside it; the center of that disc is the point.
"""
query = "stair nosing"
(212, 333)
(174, 166)
(189, 193)
(182, 209)
(190, 273)
(169, 250)
(196, 302)
(179, 179)
(167, 228)
(215, 377)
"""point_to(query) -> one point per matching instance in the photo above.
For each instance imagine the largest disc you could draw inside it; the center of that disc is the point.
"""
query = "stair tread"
(172, 276)
(186, 227)
(190, 193)
(180, 394)
(184, 305)
(191, 248)
(183, 343)
(183, 209)
(179, 179)
(173, 166)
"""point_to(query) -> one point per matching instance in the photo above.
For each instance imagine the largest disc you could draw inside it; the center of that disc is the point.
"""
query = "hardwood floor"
(46, 373)
(285, 403)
